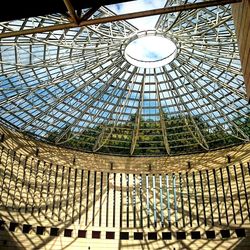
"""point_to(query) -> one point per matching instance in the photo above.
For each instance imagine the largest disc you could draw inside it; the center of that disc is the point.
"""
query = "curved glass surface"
(74, 87)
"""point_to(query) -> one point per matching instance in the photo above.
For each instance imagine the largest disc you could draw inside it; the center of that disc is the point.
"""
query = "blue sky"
(144, 23)
(142, 48)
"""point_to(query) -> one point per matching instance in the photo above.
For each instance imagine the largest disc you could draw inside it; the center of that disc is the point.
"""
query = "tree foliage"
(185, 134)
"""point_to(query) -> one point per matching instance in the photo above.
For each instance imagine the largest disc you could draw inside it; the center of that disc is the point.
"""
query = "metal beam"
(199, 137)
(89, 101)
(133, 15)
(207, 95)
(162, 119)
(86, 105)
(137, 122)
(100, 141)
(89, 13)
(71, 11)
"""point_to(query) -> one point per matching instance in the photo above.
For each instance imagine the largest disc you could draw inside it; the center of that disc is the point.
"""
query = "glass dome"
(75, 88)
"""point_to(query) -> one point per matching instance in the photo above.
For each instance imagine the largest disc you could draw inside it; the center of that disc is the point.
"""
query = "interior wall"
(44, 188)
(241, 16)
(58, 155)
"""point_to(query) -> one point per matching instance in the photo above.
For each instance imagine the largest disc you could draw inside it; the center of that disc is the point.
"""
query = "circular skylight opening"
(150, 51)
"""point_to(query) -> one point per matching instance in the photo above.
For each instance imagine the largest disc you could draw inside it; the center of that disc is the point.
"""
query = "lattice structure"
(75, 88)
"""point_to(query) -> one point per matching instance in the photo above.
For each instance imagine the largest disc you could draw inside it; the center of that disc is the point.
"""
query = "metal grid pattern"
(74, 87)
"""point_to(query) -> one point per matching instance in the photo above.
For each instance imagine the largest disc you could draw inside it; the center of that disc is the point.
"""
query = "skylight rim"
(166, 60)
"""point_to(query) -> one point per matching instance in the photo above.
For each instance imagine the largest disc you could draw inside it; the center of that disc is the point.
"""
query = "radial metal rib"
(162, 118)
(138, 117)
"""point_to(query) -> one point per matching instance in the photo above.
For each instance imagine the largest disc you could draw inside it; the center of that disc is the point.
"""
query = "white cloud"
(150, 51)
(144, 23)
(147, 47)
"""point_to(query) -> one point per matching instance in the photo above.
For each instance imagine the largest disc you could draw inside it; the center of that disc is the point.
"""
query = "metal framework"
(83, 22)
(74, 87)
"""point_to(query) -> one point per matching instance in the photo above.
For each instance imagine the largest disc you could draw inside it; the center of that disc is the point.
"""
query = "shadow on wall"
(39, 193)
(26, 237)
(58, 155)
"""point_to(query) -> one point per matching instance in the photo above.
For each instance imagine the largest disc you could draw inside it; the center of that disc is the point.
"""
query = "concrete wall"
(241, 16)
(21, 144)
(45, 188)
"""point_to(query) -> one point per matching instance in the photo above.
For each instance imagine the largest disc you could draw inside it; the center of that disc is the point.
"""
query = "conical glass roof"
(77, 88)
